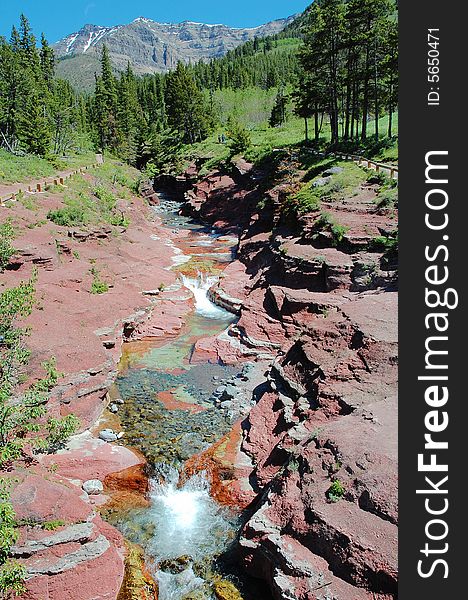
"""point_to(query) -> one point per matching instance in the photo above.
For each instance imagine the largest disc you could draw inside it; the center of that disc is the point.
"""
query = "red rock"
(98, 577)
(37, 499)
(335, 382)
(88, 457)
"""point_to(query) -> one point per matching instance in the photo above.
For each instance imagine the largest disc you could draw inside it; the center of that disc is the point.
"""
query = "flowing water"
(199, 287)
(189, 529)
(169, 414)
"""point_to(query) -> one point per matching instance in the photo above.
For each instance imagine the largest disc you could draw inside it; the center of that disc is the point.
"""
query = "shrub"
(336, 491)
(84, 205)
(7, 234)
(98, 286)
(12, 574)
(384, 243)
(53, 525)
(338, 232)
(12, 578)
(22, 411)
(306, 200)
(119, 220)
(388, 245)
(378, 178)
(327, 223)
(60, 430)
(388, 198)
(106, 198)
(240, 140)
(69, 216)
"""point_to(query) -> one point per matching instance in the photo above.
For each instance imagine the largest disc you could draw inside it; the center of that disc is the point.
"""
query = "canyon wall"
(322, 436)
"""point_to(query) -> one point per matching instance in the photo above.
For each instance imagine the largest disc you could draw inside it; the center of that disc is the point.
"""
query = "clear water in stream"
(170, 416)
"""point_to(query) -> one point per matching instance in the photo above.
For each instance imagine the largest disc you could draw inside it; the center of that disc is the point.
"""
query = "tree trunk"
(390, 107)
(348, 96)
(376, 93)
(306, 129)
(365, 97)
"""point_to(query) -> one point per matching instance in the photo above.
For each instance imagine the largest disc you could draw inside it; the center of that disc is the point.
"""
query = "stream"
(170, 415)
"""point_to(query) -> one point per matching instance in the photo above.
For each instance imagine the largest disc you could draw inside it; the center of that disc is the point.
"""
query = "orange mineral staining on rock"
(227, 474)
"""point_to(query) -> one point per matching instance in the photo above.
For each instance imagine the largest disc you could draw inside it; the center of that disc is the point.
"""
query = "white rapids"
(187, 522)
(199, 287)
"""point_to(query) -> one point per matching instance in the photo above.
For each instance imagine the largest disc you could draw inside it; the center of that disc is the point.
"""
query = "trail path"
(34, 186)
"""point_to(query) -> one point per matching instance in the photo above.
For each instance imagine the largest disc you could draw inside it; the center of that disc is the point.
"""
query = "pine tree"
(131, 118)
(64, 117)
(25, 93)
(390, 72)
(106, 104)
(47, 61)
(348, 62)
(278, 113)
(34, 124)
(187, 111)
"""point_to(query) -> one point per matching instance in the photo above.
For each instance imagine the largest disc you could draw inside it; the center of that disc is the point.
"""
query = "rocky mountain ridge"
(157, 47)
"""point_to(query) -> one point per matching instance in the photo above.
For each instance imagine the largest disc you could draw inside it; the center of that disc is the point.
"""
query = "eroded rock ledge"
(322, 436)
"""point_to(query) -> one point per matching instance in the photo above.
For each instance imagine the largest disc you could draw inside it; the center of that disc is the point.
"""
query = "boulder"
(93, 487)
(108, 435)
(332, 171)
(321, 181)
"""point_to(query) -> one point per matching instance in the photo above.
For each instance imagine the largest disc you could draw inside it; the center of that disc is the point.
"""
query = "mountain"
(150, 46)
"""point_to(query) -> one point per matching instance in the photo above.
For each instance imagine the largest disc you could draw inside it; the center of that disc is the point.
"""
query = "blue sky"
(58, 18)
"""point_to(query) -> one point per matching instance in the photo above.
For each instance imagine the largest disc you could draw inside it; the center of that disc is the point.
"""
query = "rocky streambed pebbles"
(169, 431)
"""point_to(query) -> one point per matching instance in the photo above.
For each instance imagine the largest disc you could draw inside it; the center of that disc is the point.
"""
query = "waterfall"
(199, 287)
(189, 527)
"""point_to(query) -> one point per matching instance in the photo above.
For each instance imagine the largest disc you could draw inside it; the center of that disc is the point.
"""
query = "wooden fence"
(369, 164)
(42, 185)
(362, 161)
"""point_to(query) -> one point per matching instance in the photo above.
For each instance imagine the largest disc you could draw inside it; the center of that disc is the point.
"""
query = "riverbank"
(64, 544)
(316, 291)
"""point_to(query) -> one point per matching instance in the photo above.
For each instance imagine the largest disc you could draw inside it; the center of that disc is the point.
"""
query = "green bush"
(22, 410)
(377, 178)
(60, 430)
(384, 243)
(106, 198)
(306, 200)
(388, 198)
(88, 204)
(336, 491)
(52, 525)
(12, 574)
(239, 138)
(327, 223)
(69, 216)
(7, 234)
(98, 285)
(12, 578)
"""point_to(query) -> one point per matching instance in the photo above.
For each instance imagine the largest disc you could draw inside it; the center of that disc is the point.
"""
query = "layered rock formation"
(322, 437)
(66, 547)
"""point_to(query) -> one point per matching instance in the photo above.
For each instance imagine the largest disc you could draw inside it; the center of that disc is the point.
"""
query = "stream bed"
(170, 414)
